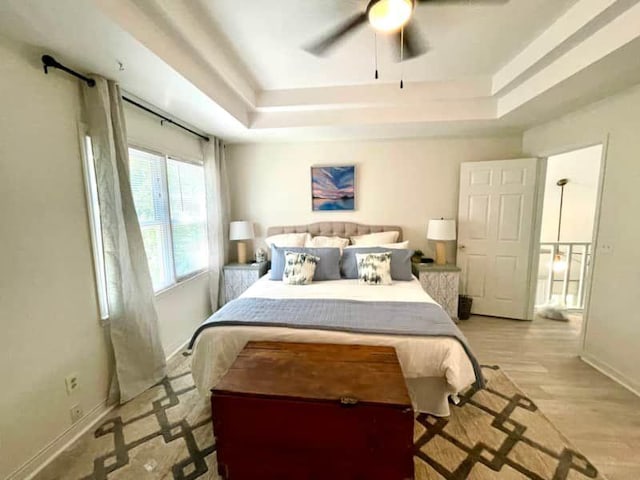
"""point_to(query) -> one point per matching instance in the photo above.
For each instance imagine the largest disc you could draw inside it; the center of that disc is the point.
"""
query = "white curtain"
(133, 321)
(215, 175)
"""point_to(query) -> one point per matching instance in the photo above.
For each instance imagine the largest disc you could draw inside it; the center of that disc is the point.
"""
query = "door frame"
(541, 176)
(535, 253)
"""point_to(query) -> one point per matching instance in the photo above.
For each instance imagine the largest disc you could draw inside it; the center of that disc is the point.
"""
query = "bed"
(436, 365)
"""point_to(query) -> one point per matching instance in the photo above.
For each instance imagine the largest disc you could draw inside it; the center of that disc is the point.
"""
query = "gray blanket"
(387, 318)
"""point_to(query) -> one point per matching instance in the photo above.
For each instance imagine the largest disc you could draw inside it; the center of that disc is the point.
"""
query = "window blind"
(149, 189)
(169, 195)
(188, 216)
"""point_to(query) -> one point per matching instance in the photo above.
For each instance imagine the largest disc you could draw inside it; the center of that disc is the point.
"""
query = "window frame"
(95, 222)
(177, 280)
(92, 200)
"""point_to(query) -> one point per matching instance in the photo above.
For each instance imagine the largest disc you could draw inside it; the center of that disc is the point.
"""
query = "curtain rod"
(49, 62)
(166, 119)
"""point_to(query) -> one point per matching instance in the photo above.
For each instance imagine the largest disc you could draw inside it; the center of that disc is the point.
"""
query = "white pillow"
(399, 245)
(374, 239)
(374, 268)
(330, 242)
(299, 268)
(287, 240)
(402, 245)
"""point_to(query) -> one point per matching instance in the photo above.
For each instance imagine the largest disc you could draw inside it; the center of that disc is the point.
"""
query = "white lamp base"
(242, 252)
(441, 254)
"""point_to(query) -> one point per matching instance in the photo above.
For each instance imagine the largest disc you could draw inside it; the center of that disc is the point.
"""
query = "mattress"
(434, 367)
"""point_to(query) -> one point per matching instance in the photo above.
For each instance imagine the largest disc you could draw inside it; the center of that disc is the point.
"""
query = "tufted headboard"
(329, 229)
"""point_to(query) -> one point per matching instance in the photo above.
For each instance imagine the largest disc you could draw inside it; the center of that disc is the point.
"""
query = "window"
(169, 196)
(91, 190)
(188, 216)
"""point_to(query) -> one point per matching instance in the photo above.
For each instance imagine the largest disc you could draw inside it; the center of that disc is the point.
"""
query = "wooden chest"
(313, 411)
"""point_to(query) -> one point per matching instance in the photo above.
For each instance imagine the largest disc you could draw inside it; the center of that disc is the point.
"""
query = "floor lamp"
(557, 310)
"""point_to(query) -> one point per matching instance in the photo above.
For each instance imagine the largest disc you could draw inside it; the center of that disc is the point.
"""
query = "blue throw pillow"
(400, 262)
(328, 267)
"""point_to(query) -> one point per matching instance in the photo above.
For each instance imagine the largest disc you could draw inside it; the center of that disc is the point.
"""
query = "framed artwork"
(333, 188)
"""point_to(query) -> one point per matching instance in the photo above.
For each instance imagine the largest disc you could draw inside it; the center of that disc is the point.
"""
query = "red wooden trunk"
(313, 411)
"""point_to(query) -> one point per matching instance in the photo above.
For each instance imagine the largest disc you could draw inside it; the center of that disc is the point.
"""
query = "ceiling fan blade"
(320, 47)
(414, 43)
(464, 2)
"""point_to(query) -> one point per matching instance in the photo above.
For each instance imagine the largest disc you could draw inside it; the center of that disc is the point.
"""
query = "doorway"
(571, 195)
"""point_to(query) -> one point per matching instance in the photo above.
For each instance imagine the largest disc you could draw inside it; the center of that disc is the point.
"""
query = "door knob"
(461, 247)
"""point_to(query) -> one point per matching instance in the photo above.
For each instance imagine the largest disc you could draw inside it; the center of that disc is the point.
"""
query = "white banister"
(568, 284)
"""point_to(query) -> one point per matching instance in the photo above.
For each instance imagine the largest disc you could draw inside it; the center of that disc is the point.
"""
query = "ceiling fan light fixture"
(389, 15)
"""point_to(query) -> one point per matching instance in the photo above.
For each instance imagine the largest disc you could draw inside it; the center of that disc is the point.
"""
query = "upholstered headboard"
(329, 229)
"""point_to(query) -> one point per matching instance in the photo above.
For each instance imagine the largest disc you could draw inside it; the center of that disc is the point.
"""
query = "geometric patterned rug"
(165, 433)
(495, 433)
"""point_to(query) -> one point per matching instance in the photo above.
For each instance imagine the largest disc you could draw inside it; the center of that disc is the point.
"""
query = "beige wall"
(49, 320)
(582, 169)
(400, 182)
(613, 328)
(48, 309)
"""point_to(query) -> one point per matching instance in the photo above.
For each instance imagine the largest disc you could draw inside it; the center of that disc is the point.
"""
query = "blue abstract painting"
(333, 188)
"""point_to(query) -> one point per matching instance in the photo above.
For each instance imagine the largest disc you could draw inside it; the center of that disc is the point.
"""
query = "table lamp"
(241, 230)
(441, 230)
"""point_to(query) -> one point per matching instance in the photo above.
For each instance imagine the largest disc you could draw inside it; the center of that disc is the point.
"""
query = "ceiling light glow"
(559, 263)
(389, 15)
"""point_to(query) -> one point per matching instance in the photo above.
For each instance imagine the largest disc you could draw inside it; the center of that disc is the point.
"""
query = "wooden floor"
(600, 417)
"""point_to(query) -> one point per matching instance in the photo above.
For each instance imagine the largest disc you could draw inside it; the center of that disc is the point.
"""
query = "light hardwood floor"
(600, 417)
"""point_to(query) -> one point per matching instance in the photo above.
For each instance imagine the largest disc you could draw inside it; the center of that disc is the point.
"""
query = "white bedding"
(434, 366)
(341, 290)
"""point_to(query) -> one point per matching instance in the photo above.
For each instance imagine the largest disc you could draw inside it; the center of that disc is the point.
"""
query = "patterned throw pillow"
(299, 268)
(374, 268)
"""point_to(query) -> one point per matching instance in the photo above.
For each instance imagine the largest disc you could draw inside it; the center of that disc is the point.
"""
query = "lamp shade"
(441, 229)
(242, 230)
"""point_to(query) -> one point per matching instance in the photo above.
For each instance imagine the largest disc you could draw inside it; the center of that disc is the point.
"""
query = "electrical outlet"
(71, 381)
(76, 413)
(606, 248)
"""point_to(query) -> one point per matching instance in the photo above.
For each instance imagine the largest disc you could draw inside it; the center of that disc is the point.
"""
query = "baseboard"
(41, 459)
(611, 372)
(45, 456)
(178, 350)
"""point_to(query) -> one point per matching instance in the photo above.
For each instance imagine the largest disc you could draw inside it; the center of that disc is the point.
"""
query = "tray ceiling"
(464, 39)
(236, 69)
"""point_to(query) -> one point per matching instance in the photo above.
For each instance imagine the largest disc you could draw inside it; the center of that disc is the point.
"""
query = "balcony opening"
(568, 216)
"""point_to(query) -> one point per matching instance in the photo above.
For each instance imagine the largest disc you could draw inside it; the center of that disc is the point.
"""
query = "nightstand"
(240, 276)
(441, 282)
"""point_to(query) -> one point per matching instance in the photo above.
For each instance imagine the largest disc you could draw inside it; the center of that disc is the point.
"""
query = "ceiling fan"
(389, 17)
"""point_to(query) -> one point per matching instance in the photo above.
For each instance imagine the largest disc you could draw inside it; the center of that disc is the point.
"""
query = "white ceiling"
(79, 35)
(236, 70)
(464, 40)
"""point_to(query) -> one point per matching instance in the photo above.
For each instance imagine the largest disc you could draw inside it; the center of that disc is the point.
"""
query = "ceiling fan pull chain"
(375, 48)
(401, 57)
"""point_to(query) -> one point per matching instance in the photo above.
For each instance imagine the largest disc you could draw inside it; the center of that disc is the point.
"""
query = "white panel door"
(495, 226)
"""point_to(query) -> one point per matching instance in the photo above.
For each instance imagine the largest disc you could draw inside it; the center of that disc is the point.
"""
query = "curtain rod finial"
(48, 61)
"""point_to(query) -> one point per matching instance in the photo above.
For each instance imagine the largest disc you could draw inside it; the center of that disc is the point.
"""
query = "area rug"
(495, 433)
